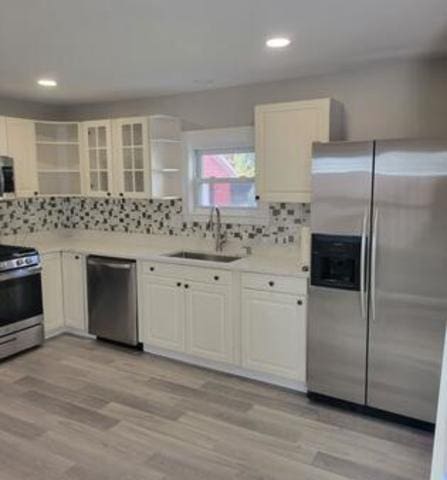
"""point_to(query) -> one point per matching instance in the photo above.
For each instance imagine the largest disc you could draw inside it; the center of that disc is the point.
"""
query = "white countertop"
(276, 260)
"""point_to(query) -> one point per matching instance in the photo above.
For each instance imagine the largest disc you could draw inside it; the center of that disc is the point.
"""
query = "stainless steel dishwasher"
(112, 299)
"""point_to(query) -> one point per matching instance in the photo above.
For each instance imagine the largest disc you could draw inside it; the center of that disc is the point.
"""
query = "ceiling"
(115, 49)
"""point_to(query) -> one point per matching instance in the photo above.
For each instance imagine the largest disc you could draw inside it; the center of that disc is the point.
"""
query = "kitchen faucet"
(221, 237)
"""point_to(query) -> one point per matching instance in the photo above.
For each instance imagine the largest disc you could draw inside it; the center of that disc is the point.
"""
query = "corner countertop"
(274, 260)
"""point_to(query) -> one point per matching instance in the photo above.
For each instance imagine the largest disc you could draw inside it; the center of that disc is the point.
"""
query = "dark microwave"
(6, 175)
(336, 261)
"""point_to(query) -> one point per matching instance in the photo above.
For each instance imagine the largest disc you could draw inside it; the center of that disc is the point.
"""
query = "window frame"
(218, 140)
(199, 180)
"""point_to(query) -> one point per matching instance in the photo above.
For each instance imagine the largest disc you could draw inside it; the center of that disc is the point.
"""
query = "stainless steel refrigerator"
(378, 299)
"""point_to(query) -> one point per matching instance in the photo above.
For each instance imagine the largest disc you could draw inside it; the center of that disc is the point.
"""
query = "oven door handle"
(20, 273)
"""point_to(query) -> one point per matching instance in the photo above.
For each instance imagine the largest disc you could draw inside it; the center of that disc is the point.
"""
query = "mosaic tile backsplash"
(142, 216)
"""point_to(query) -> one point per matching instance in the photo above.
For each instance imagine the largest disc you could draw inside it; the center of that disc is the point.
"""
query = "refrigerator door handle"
(373, 264)
(362, 265)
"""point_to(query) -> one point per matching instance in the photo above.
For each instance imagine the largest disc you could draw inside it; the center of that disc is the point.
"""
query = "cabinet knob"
(121, 194)
(109, 194)
(216, 277)
(272, 283)
(186, 285)
(152, 269)
(179, 284)
(36, 193)
(76, 257)
(305, 268)
(257, 197)
(299, 302)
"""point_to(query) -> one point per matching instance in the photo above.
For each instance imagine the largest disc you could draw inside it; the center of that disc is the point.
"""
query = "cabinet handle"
(299, 302)
(152, 269)
(186, 285)
(271, 283)
(216, 278)
(179, 284)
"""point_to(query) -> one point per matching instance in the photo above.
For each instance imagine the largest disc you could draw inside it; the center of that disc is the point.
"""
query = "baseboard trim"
(227, 368)
(372, 412)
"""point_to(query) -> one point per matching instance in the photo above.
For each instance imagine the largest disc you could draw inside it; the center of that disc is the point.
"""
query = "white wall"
(382, 100)
(27, 109)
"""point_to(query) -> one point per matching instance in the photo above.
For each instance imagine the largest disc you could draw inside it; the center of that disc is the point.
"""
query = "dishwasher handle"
(110, 264)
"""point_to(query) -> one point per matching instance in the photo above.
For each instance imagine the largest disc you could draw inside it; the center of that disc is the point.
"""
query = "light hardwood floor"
(82, 410)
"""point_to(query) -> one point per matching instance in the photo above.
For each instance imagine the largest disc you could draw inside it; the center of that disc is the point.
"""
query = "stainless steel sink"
(208, 257)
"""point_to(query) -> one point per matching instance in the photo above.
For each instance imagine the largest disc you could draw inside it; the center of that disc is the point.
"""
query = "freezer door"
(408, 277)
(337, 330)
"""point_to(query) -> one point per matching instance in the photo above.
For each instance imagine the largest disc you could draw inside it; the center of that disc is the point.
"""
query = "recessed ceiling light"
(47, 82)
(278, 42)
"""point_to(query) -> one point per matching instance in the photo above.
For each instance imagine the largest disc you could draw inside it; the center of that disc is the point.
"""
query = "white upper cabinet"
(3, 137)
(97, 157)
(284, 136)
(21, 146)
(58, 158)
(131, 149)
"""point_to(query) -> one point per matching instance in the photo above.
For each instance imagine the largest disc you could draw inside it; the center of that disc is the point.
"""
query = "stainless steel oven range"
(21, 311)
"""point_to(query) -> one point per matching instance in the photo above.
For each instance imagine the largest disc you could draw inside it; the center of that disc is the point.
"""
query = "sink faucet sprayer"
(221, 237)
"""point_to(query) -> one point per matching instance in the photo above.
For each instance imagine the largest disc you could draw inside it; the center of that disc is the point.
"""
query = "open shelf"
(58, 158)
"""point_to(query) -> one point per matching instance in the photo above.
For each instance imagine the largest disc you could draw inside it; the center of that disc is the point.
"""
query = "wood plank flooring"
(78, 409)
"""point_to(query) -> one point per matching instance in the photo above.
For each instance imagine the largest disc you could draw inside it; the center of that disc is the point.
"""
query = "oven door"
(20, 299)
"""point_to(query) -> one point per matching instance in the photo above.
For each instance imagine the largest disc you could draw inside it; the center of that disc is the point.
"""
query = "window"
(221, 172)
(225, 178)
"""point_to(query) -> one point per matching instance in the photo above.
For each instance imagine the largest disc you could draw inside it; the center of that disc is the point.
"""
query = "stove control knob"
(19, 262)
(28, 261)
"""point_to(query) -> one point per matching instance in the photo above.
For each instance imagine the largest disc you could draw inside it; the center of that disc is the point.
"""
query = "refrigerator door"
(337, 330)
(408, 277)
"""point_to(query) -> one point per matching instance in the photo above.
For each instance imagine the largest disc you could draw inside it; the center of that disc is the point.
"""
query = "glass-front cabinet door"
(132, 157)
(98, 157)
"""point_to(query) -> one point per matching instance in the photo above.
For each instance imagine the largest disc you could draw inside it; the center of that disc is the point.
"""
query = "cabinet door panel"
(162, 322)
(274, 334)
(131, 151)
(97, 157)
(52, 291)
(3, 137)
(208, 322)
(22, 148)
(74, 291)
(284, 137)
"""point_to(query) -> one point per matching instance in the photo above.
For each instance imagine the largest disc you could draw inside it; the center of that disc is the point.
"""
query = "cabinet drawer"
(197, 274)
(274, 283)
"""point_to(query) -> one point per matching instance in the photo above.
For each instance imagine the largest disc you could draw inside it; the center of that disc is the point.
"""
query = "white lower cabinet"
(187, 316)
(162, 323)
(274, 333)
(74, 282)
(208, 321)
(52, 292)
